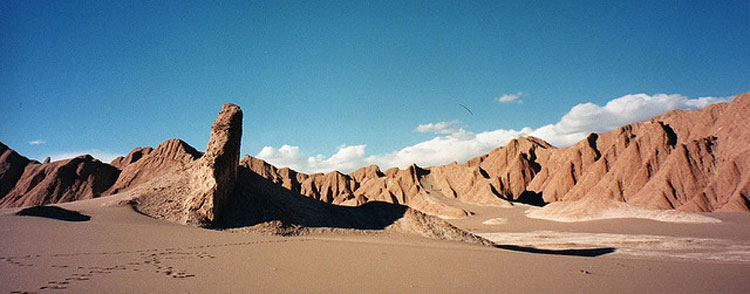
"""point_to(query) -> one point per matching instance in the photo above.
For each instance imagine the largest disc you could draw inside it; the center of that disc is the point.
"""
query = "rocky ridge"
(687, 160)
(697, 161)
(25, 182)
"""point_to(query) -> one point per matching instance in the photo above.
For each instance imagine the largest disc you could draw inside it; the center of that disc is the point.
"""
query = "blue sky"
(346, 83)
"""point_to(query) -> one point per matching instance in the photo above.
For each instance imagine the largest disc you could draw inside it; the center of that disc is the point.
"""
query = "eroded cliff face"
(494, 179)
(692, 161)
(688, 160)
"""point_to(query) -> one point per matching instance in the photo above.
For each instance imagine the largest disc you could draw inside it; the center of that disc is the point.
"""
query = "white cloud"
(445, 149)
(456, 144)
(347, 158)
(507, 98)
(443, 127)
(103, 156)
(585, 118)
(36, 142)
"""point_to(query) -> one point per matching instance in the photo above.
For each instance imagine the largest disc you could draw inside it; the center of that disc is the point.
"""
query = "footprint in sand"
(147, 260)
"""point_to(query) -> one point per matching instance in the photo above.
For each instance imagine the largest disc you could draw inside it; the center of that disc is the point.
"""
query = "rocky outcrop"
(414, 187)
(72, 179)
(197, 193)
(494, 179)
(12, 165)
(144, 164)
(34, 183)
(215, 174)
(218, 191)
(263, 205)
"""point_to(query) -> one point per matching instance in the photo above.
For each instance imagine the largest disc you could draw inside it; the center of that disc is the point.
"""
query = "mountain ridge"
(696, 161)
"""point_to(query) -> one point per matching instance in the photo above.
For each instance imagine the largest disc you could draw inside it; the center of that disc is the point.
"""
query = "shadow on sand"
(54, 212)
(259, 200)
(594, 252)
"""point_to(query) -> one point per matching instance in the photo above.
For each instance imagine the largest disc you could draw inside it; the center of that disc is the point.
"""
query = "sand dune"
(593, 208)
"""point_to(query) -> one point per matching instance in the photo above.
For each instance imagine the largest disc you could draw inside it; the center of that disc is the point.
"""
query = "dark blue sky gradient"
(112, 76)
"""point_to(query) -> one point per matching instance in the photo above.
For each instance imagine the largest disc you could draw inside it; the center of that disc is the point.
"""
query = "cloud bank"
(36, 142)
(453, 143)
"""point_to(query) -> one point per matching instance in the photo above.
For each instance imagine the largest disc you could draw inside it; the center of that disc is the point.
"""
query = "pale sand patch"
(600, 208)
(644, 246)
(495, 221)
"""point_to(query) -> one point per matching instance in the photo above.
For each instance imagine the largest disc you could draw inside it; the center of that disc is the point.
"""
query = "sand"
(118, 250)
(593, 208)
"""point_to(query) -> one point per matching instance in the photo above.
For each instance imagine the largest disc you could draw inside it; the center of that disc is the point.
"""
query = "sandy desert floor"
(121, 251)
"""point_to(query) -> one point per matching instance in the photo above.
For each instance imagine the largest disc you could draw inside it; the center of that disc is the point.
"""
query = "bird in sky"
(467, 109)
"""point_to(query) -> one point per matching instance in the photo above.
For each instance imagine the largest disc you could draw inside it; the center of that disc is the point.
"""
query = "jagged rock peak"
(742, 99)
(176, 149)
(172, 149)
(144, 164)
(533, 141)
(368, 172)
(136, 154)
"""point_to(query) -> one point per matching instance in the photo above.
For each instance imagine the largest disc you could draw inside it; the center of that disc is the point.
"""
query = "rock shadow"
(531, 198)
(258, 200)
(594, 252)
(54, 212)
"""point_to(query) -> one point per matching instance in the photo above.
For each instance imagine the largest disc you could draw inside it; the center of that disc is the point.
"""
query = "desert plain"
(658, 206)
(119, 250)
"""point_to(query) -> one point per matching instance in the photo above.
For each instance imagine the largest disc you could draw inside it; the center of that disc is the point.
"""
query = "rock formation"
(26, 182)
(144, 164)
(216, 172)
(198, 192)
(694, 161)
(263, 205)
(12, 165)
(368, 184)
(494, 179)
(218, 190)
(687, 160)
(72, 179)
